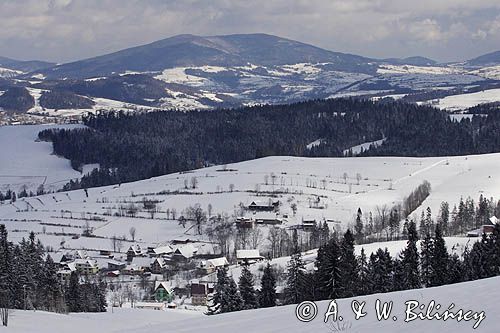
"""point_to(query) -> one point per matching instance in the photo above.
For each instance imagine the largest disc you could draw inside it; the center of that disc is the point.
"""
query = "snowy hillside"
(477, 296)
(321, 188)
(463, 101)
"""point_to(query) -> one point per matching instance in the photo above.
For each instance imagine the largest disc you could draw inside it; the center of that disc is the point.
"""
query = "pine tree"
(410, 260)
(246, 287)
(295, 282)
(267, 295)
(328, 269)
(348, 281)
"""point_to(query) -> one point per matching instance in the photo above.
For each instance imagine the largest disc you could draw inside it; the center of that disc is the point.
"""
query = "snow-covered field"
(464, 101)
(294, 180)
(100, 104)
(24, 161)
(480, 297)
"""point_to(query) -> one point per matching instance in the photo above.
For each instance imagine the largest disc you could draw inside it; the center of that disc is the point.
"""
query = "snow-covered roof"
(87, 262)
(217, 262)
(247, 254)
(187, 251)
(163, 284)
(141, 261)
(160, 262)
(166, 249)
(115, 262)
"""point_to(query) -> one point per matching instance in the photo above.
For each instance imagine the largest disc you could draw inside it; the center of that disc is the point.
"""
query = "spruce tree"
(246, 287)
(426, 257)
(226, 297)
(328, 269)
(267, 294)
(363, 271)
(381, 272)
(440, 260)
(410, 260)
(295, 282)
(359, 227)
(74, 294)
(348, 281)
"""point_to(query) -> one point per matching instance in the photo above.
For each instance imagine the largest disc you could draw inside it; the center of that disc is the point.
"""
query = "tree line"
(130, 147)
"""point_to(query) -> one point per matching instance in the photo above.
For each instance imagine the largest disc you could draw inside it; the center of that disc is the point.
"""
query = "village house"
(65, 272)
(116, 265)
(260, 206)
(268, 218)
(184, 253)
(199, 294)
(244, 222)
(134, 251)
(308, 223)
(163, 250)
(158, 266)
(162, 292)
(248, 256)
(86, 266)
(211, 265)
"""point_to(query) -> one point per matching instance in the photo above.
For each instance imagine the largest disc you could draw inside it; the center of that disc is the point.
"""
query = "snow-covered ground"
(480, 297)
(100, 104)
(25, 161)
(464, 101)
(297, 180)
(409, 69)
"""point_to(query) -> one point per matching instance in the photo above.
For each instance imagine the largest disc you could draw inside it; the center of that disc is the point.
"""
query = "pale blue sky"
(64, 30)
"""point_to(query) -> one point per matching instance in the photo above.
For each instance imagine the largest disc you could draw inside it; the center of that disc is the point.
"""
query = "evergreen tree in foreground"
(226, 297)
(348, 282)
(440, 260)
(410, 260)
(295, 282)
(247, 291)
(267, 295)
(328, 269)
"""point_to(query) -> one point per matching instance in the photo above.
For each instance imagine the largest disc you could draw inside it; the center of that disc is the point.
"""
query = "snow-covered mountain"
(194, 72)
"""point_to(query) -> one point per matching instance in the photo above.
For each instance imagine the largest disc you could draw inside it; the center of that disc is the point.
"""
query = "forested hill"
(133, 147)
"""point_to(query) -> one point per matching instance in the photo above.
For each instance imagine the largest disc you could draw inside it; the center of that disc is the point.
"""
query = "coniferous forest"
(28, 280)
(132, 147)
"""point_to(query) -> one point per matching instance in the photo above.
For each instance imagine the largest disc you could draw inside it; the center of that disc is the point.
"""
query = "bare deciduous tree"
(194, 182)
(132, 233)
(255, 237)
(198, 216)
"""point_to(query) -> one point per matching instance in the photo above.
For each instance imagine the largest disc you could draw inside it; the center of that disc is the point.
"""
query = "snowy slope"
(477, 296)
(464, 101)
(384, 181)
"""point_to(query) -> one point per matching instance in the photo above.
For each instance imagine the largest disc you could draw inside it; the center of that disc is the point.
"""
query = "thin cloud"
(65, 30)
